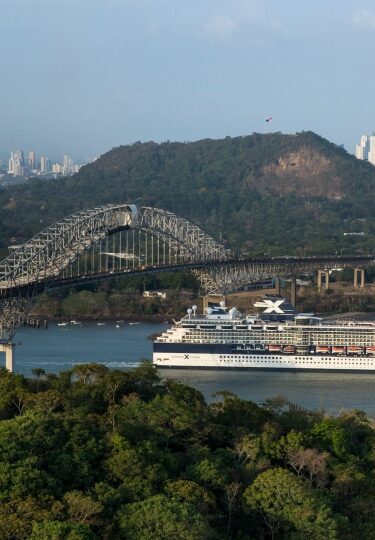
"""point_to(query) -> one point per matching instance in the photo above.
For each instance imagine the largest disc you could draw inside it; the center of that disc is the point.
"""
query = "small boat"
(117, 326)
(62, 324)
(101, 323)
(370, 349)
(291, 349)
(120, 321)
(75, 323)
(134, 323)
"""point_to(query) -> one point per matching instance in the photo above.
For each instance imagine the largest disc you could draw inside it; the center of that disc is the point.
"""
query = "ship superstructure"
(278, 338)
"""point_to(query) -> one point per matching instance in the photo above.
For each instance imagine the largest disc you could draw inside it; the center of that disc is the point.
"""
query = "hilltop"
(270, 193)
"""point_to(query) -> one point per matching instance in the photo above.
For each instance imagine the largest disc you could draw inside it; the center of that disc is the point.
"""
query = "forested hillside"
(98, 454)
(274, 193)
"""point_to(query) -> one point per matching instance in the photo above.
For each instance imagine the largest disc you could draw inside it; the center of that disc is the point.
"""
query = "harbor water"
(122, 345)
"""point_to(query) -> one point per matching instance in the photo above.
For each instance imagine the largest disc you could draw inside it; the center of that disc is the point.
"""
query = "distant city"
(366, 148)
(20, 166)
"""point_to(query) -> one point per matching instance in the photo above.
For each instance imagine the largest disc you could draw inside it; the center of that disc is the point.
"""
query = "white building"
(31, 160)
(362, 149)
(371, 153)
(56, 168)
(45, 164)
(16, 163)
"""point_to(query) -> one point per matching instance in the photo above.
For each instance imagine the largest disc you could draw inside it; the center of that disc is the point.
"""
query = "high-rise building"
(371, 153)
(67, 165)
(45, 164)
(16, 163)
(362, 149)
(31, 160)
(56, 168)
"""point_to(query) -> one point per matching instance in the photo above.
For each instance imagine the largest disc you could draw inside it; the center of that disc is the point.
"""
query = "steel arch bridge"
(110, 239)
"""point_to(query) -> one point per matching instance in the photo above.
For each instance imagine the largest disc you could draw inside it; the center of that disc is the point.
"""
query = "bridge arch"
(35, 265)
(44, 257)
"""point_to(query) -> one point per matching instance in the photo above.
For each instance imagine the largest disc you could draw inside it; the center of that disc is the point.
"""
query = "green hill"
(274, 193)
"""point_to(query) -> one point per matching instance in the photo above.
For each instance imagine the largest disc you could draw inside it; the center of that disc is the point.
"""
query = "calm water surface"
(60, 348)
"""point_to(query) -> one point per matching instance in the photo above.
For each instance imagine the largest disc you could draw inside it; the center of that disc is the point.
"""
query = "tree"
(247, 449)
(57, 530)
(231, 494)
(190, 492)
(38, 373)
(286, 505)
(82, 508)
(90, 373)
(310, 461)
(159, 518)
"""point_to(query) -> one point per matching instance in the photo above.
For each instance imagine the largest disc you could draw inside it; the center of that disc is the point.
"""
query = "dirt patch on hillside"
(305, 172)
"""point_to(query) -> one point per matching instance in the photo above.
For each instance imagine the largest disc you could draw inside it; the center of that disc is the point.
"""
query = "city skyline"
(207, 69)
(34, 165)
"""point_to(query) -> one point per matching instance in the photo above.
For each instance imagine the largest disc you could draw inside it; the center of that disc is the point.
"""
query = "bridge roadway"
(244, 270)
(251, 269)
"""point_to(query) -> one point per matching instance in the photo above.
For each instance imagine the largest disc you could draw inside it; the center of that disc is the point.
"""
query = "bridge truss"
(234, 275)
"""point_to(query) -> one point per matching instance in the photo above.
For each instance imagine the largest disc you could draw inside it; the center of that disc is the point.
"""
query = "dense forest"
(270, 193)
(99, 454)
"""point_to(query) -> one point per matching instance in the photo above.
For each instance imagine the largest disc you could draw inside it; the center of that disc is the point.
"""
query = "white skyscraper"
(31, 160)
(362, 149)
(45, 164)
(371, 154)
(16, 163)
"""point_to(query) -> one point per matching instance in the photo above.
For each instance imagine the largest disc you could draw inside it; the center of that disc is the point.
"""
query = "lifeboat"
(323, 349)
(274, 348)
(370, 349)
(355, 349)
(338, 349)
(291, 349)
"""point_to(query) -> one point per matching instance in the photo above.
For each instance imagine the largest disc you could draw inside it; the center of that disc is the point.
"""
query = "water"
(60, 348)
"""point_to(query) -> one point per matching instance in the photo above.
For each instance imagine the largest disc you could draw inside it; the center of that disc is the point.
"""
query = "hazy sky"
(82, 76)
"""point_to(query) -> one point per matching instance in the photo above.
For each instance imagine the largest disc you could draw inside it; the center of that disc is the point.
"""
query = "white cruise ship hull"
(313, 362)
(279, 339)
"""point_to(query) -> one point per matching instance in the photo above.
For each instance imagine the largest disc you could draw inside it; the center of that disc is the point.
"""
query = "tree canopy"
(98, 454)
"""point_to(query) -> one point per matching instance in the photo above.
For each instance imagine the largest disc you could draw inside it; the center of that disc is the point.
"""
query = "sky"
(83, 76)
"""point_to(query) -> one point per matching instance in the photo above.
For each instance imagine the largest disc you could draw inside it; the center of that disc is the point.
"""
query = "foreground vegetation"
(93, 453)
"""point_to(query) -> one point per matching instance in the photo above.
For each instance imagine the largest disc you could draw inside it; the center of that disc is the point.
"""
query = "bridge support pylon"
(361, 273)
(212, 298)
(8, 349)
(322, 273)
(293, 291)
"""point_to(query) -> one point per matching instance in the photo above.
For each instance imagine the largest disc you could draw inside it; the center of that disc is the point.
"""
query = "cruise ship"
(278, 338)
